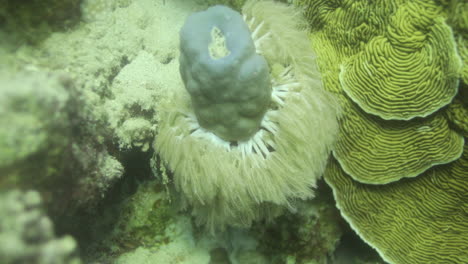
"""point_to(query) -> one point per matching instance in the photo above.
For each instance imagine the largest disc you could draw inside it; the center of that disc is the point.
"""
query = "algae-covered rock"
(134, 101)
(418, 220)
(33, 20)
(310, 235)
(140, 221)
(48, 141)
(27, 234)
(30, 104)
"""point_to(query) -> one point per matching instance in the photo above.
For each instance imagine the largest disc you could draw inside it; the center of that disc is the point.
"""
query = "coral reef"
(27, 234)
(89, 99)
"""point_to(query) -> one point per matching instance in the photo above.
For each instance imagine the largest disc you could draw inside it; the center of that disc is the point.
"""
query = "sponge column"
(228, 82)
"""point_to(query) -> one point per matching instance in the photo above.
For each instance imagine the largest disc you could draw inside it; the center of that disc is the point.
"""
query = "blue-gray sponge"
(229, 83)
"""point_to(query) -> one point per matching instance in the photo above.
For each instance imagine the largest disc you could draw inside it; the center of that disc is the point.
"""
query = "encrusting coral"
(236, 182)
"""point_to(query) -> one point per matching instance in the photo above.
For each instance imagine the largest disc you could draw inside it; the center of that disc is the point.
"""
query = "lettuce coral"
(418, 220)
(411, 71)
(369, 145)
(377, 152)
(387, 178)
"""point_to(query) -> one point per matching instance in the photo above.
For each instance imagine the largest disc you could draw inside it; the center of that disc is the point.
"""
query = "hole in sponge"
(217, 47)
